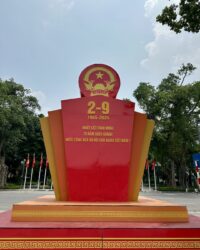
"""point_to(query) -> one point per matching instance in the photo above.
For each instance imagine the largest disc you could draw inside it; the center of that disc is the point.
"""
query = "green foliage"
(175, 107)
(126, 100)
(19, 125)
(171, 189)
(16, 107)
(184, 16)
(12, 186)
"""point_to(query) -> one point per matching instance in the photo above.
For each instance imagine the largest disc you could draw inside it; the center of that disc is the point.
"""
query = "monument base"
(98, 235)
(145, 210)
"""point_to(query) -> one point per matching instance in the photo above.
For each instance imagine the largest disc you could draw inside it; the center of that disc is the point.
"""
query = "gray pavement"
(191, 200)
(7, 197)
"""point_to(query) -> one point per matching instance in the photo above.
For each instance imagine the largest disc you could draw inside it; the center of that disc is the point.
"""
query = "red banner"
(33, 162)
(27, 162)
(153, 164)
(147, 165)
(41, 161)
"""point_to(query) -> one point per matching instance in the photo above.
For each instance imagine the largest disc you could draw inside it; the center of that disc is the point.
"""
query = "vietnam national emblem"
(99, 79)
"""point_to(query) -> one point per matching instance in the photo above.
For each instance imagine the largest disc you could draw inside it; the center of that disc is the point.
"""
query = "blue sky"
(45, 44)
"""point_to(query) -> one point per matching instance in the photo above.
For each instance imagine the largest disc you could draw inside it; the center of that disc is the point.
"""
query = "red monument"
(97, 146)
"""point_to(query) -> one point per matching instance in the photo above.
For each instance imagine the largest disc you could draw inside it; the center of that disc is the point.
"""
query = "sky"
(45, 44)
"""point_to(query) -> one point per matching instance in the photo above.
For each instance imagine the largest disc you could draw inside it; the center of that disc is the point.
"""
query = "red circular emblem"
(99, 79)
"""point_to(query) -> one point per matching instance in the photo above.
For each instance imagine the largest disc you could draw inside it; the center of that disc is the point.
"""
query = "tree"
(175, 107)
(184, 16)
(17, 112)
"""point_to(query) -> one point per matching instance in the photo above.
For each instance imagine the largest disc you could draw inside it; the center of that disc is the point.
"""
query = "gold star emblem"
(99, 75)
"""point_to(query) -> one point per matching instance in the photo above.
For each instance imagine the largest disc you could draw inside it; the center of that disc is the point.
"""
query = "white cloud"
(70, 5)
(42, 99)
(155, 6)
(62, 4)
(39, 95)
(168, 50)
(57, 11)
(149, 6)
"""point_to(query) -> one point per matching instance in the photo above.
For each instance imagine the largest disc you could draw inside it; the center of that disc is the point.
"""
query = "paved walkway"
(7, 198)
(191, 200)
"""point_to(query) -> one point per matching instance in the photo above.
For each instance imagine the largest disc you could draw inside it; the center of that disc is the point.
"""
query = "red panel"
(155, 238)
(152, 232)
(97, 133)
(99, 235)
(50, 233)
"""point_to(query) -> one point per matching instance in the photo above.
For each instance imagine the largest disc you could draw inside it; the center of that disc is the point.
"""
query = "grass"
(174, 189)
(12, 186)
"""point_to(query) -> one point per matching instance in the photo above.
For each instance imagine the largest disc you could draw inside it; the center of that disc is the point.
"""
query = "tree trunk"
(173, 180)
(3, 168)
(182, 173)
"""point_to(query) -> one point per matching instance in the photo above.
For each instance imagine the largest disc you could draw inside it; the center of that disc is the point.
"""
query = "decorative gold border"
(163, 244)
(49, 244)
(107, 243)
(99, 214)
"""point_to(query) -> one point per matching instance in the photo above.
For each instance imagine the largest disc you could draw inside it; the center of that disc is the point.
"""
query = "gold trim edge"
(100, 238)
(49, 243)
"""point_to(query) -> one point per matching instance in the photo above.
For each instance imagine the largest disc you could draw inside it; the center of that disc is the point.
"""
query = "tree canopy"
(175, 107)
(182, 16)
(19, 125)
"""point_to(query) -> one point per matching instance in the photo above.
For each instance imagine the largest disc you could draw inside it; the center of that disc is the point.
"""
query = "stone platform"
(145, 210)
(98, 235)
